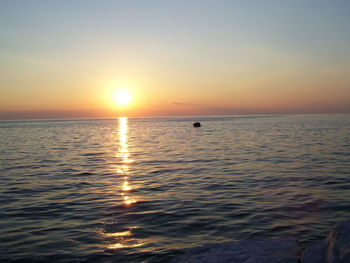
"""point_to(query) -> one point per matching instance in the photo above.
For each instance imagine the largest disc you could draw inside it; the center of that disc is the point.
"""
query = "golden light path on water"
(123, 156)
(124, 239)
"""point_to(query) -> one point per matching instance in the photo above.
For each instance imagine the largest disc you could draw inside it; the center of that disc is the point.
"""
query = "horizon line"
(171, 116)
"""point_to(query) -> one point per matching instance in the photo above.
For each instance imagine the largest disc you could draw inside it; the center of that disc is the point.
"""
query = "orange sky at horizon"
(95, 99)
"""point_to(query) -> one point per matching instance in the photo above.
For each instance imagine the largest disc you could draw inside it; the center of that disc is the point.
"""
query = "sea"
(147, 189)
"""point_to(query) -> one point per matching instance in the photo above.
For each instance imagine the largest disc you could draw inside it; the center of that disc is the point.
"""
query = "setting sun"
(122, 98)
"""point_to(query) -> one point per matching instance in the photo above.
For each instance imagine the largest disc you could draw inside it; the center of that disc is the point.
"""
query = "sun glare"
(122, 98)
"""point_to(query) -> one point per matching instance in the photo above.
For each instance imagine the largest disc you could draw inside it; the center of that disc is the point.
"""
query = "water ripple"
(141, 190)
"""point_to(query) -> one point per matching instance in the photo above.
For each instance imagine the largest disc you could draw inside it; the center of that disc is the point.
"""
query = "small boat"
(197, 124)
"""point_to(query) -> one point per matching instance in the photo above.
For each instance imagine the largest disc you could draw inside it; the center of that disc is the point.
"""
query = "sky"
(66, 59)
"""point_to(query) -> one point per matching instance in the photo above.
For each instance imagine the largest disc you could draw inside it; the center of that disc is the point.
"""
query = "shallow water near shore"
(144, 189)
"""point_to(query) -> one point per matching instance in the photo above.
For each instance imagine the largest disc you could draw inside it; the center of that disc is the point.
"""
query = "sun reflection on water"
(123, 154)
(122, 239)
(130, 243)
(125, 238)
(119, 234)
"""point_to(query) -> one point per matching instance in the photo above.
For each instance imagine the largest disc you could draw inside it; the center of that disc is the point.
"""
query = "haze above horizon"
(69, 59)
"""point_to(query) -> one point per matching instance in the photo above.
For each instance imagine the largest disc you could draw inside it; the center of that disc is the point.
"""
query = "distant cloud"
(198, 109)
(186, 104)
(53, 114)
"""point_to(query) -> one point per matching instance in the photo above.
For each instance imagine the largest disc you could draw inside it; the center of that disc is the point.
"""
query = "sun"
(122, 98)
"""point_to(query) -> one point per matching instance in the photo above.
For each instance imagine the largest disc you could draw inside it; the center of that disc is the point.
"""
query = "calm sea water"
(143, 190)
